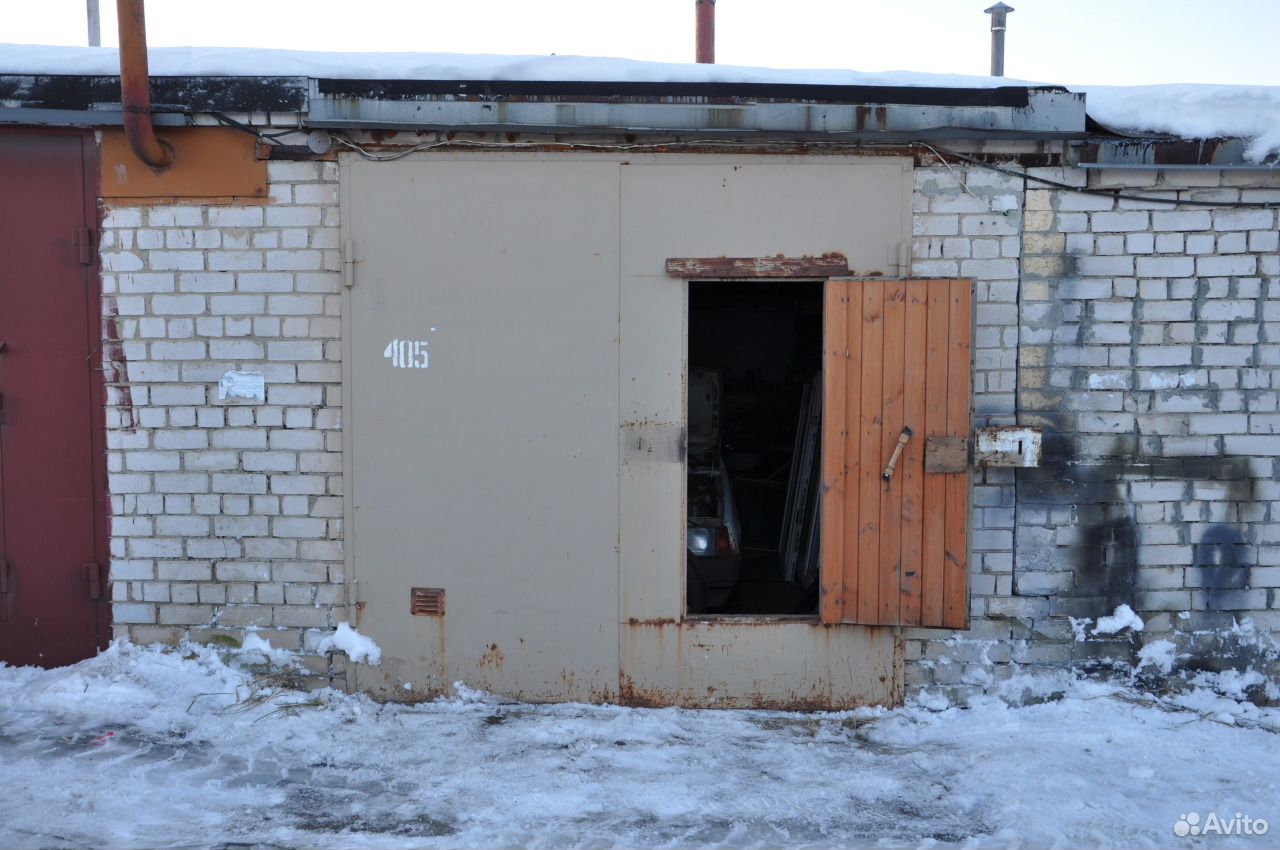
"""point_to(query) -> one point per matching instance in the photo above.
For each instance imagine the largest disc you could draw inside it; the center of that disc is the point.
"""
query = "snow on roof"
(1193, 112)
(241, 62)
(1188, 111)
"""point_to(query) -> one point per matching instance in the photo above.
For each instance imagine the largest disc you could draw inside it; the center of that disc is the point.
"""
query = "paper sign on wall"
(251, 385)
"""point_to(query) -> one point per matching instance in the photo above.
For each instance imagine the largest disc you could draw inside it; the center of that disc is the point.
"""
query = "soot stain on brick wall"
(1105, 558)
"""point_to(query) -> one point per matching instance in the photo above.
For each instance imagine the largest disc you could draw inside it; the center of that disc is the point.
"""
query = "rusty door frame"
(803, 272)
(91, 271)
(827, 580)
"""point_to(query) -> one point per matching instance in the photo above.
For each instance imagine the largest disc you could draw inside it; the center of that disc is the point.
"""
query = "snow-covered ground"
(142, 747)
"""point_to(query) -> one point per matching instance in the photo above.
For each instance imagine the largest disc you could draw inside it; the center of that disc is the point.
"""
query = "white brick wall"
(1140, 336)
(226, 514)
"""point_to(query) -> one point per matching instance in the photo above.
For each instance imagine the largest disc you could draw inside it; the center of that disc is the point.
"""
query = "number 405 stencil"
(407, 353)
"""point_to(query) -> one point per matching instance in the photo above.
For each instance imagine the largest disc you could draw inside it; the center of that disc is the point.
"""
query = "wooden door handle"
(897, 453)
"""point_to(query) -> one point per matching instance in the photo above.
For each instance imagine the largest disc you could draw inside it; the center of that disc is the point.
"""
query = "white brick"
(235, 349)
(986, 225)
(235, 260)
(239, 483)
(270, 461)
(1226, 266)
(1264, 241)
(175, 216)
(206, 282)
(177, 304)
(1165, 266)
(295, 237)
(240, 438)
(321, 194)
(1113, 222)
(299, 350)
(237, 304)
(1082, 202)
(1105, 266)
(133, 613)
(293, 172)
(176, 260)
(294, 216)
(326, 282)
(121, 261)
(235, 216)
(300, 305)
(146, 461)
(1181, 220)
(120, 217)
(302, 260)
(145, 282)
(181, 438)
(265, 282)
(1243, 219)
(188, 350)
(1001, 269)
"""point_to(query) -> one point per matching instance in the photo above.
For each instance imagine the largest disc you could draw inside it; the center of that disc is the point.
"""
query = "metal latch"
(1007, 446)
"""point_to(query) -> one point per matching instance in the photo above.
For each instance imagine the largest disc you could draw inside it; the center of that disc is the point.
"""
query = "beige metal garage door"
(515, 361)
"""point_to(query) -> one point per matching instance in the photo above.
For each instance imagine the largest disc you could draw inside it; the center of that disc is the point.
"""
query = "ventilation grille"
(426, 601)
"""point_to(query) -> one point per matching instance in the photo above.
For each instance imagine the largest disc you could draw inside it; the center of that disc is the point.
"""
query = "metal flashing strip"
(1273, 167)
(794, 111)
(81, 117)
(1047, 114)
(615, 92)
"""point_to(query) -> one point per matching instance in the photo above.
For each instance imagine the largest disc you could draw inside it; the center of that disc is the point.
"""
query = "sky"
(1117, 42)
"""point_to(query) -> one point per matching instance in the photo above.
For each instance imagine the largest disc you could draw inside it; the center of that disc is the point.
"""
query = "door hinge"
(82, 238)
(94, 574)
(4, 576)
(349, 259)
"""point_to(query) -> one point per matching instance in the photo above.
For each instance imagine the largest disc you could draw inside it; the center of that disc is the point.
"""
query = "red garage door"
(53, 609)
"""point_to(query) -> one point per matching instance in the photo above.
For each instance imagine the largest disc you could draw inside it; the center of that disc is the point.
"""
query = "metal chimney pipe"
(135, 87)
(997, 13)
(95, 23)
(706, 31)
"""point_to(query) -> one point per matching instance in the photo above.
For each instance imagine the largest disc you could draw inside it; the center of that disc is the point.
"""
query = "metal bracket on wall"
(93, 573)
(1007, 446)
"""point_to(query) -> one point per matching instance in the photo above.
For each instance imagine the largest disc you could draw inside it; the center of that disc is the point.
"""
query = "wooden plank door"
(53, 599)
(896, 360)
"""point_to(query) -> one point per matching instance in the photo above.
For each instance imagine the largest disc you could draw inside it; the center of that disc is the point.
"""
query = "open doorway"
(754, 462)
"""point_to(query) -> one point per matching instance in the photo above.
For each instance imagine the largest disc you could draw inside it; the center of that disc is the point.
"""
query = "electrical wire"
(940, 153)
(267, 138)
(476, 143)
(963, 185)
(1107, 193)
